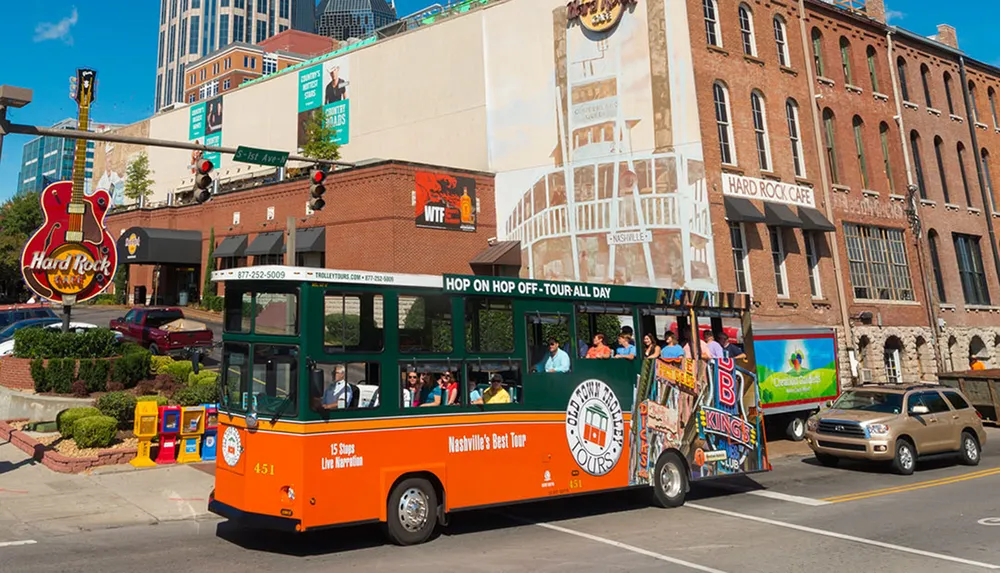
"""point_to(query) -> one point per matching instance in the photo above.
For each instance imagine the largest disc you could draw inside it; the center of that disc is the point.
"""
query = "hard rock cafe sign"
(598, 15)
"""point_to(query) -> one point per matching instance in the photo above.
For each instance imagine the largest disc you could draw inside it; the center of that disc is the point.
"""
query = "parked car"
(9, 314)
(8, 332)
(897, 423)
(163, 330)
(7, 344)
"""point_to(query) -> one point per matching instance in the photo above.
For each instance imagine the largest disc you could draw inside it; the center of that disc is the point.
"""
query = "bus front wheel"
(669, 480)
(412, 512)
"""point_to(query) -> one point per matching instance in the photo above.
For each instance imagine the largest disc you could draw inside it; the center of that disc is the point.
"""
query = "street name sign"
(267, 157)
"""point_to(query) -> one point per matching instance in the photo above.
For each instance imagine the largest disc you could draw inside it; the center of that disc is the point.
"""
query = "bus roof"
(473, 285)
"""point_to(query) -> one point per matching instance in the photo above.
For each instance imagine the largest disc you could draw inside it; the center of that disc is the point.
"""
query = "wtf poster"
(445, 202)
(325, 89)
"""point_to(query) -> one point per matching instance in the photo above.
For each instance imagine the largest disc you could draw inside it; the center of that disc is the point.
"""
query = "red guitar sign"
(71, 257)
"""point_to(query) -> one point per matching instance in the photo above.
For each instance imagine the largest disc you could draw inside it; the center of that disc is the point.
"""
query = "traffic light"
(316, 189)
(203, 181)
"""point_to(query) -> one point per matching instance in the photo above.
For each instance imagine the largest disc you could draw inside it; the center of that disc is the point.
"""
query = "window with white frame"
(723, 121)
(812, 259)
(269, 63)
(877, 263)
(741, 262)
(713, 33)
(746, 31)
(760, 131)
(891, 357)
(781, 41)
(777, 236)
(226, 84)
(795, 137)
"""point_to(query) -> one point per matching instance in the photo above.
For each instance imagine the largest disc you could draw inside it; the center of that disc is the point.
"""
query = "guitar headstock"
(85, 87)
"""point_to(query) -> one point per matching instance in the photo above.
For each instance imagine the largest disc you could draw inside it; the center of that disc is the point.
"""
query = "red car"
(162, 330)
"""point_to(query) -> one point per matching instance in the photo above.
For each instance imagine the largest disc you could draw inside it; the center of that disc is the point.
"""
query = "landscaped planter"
(58, 462)
(16, 372)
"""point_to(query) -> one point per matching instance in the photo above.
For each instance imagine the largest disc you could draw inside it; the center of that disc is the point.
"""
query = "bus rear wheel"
(669, 481)
(412, 512)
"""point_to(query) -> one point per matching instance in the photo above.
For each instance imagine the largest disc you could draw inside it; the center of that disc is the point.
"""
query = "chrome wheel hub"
(670, 480)
(906, 457)
(971, 449)
(413, 510)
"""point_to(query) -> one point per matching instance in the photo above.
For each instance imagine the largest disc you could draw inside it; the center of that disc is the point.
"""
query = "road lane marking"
(913, 486)
(835, 535)
(989, 521)
(17, 543)
(790, 498)
(628, 547)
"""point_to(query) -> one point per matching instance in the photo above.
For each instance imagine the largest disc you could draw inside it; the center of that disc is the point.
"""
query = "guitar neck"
(80, 157)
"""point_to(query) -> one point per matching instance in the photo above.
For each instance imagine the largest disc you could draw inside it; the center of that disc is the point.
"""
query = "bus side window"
(425, 385)
(346, 386)
(542, 331)
(425, 324)
(607, 321)
(353, 322)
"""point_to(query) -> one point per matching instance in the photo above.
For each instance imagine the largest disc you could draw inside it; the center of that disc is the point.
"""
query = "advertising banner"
(205, 127)
(445, 202)
(796, 369)
(767, 190)
(324, 89)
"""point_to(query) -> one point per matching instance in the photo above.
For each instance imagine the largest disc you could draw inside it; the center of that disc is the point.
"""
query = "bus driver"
(338, 394)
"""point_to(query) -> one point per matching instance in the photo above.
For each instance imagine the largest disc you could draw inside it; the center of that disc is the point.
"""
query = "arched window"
(872, 74)
(859, 147)
(831, 147)
(972, 101)
(713, 32)
(760, 130)
(746, 31)
(904, 89)
(947, 93)
(925, 74)
(883, 136)
(845, 60)
(817, 47)
(781, 41)
(993, 105)
(988, 178)
(795, 137)
(965, 178)
(932, 239)
(893, 359)
(939, 156)
(723, 121)
(918, 166)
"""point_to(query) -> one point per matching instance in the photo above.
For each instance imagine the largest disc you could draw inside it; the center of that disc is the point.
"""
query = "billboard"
(445, 202)
(796, 369)
(205, 127)
(324, 89)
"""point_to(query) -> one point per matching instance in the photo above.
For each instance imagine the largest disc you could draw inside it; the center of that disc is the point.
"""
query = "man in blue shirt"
(557, 360)
(671, 350)
(625, 347)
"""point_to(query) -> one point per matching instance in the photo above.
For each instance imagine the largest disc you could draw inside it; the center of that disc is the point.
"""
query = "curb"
(58, 462)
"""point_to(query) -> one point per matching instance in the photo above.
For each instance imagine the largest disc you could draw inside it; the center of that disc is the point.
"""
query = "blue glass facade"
(343, 19)
(45, 160)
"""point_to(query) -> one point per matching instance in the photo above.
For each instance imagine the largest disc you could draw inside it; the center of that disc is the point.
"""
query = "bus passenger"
(625, 348)
(557, 360)
(439, 394)
(650, 347)
(339, 394)
(475, 396)
(411, 392)
(599, 349)
(450, 387)
(713, 348)
(671, 350)
(731, 349)
(496, 394)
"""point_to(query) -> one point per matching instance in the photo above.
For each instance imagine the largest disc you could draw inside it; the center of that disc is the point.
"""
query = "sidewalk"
(35, 501)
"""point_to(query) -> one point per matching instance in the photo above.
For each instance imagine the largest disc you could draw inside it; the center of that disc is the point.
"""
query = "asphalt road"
(800, 517)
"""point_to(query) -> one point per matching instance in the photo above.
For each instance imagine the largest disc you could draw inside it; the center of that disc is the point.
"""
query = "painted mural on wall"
(324, 89)
(599, 165)
(111, 161)
(708, 410)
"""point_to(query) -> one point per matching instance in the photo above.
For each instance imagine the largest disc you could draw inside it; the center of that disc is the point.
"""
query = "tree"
(210, 288)
(121, 284)
(319, 138)
(20, 216)
(138, 185)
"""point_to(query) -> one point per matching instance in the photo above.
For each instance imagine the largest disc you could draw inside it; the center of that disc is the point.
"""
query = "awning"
(778, 215)
(740, 210)
(813, 220)
(500, 255)
(149, 246)
(311, 240)
(267, 244)
(234, 246)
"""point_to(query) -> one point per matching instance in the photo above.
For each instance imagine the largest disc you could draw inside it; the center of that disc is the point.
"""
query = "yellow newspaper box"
(192, 427)
(146, 414)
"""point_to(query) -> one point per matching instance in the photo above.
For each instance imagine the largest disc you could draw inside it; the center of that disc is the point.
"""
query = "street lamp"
(11, 96)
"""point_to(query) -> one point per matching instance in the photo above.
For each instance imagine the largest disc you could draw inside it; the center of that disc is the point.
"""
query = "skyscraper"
(190, 29)
(45, 160)
(343, 19)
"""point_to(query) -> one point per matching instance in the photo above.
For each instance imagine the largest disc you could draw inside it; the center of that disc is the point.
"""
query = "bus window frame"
(465, 331)
(613, 309)
(453, 366)
(339, 290)
(529, 363)
(339, 413)
(514, 367)
(247, 352)
(254, 289)
(429, 354)
(295, 382)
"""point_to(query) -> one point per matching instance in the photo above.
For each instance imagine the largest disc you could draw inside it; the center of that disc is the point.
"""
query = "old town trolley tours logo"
(232, 447)
(595, 428)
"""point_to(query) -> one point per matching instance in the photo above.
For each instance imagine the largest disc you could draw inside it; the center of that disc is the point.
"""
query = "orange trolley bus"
(349, 397)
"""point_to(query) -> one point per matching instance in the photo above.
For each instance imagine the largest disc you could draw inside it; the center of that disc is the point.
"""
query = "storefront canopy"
(267, 244)
(740, 210)
(778, 215)
(149, 246)
(234, 246)
(311, 240)
(813, 220)
(502, 258)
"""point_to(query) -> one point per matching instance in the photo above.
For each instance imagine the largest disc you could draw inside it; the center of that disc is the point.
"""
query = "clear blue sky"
(49, 40)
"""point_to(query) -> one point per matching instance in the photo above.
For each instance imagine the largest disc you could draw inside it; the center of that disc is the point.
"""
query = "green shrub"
(95, 431)
(66, 419)
(212, 302)
(38, 375)
(131, 368)
(195, 395)
(126, 348)
(159, 364)
(118, 405)
(160, 400)
(179, 371)
(94, 374)
(47, 343)
(60, 375)
(205, 377)
(103, 299)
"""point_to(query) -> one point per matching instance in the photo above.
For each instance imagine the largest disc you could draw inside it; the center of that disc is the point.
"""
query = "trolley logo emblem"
(595, 428)
(232, 447)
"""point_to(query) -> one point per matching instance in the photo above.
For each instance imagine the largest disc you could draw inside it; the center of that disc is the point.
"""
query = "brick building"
(875, 121)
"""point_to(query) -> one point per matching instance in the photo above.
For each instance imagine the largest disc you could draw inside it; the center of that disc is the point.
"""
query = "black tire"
(670, 482)
(412, 512)
(154, 349)
(827, 460)
(796, 429)
(905, 460)
(969, 452)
